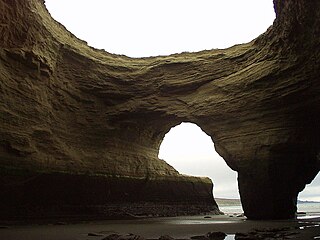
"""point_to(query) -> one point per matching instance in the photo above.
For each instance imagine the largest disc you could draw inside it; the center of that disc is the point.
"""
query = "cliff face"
(69, 108)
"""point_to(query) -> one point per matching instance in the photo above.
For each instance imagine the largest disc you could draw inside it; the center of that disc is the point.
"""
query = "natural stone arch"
(69, 107)
(191, 151)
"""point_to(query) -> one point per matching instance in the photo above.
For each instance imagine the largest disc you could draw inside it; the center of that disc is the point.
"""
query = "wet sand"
(177, 227)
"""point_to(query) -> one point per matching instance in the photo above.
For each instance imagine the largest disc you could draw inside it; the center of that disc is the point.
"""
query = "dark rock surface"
(72, 109)
(123, 237)
(208, 236)
(211, 236)
(48, 197)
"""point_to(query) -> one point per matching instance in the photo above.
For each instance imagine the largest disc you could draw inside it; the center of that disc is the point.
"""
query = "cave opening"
(308, 199)
(188, 149)
(143, 28)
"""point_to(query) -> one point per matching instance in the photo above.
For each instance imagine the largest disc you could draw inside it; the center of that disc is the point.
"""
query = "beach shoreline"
(184, 227)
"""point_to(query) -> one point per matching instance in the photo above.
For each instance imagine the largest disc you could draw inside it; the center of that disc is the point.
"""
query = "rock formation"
(69, 110)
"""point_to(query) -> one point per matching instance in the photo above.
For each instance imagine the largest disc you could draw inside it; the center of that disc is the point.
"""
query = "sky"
(143, 28)
(191, 151)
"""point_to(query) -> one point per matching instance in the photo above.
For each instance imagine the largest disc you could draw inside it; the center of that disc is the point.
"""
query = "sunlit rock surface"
(69, 111)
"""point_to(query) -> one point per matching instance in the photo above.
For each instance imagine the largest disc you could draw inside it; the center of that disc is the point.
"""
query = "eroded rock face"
(66, 107)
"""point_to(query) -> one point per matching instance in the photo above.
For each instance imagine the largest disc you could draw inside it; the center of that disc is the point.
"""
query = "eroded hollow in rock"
(74, 114)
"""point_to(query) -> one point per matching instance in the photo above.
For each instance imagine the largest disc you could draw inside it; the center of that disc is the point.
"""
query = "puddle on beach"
(186, 222)
(309, 226)
(200, 220)
(230, 237)
(308, 217)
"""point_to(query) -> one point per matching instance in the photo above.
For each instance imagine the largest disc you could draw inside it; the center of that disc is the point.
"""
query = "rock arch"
(67, 107)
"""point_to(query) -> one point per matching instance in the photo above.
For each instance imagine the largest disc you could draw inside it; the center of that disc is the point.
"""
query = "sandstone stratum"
(80, 129)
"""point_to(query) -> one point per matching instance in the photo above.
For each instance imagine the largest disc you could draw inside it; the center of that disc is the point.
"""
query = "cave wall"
(72, 109)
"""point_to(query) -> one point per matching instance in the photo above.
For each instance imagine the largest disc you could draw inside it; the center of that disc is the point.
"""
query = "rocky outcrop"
(29, 196)
(69, 108)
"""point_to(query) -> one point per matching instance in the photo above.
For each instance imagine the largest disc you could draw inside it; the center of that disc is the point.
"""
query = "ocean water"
(309, 208)
(231, 209)
(313, 208)
(305, 210)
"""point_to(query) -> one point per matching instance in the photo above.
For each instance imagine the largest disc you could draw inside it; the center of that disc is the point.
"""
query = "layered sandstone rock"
(72, 109)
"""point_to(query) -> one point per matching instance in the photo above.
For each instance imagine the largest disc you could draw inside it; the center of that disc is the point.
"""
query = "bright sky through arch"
(191, 151)
(143, 28)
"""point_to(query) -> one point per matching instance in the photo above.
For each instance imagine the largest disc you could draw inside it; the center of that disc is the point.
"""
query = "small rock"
(131, 237)
(95, 234)
(123, 237)
(246, 237)
(113, 236)
(166, 237)
(199, 238)
(61, 223)
(216, 235)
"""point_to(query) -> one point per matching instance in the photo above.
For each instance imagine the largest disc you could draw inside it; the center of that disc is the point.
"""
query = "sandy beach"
(185, 227)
